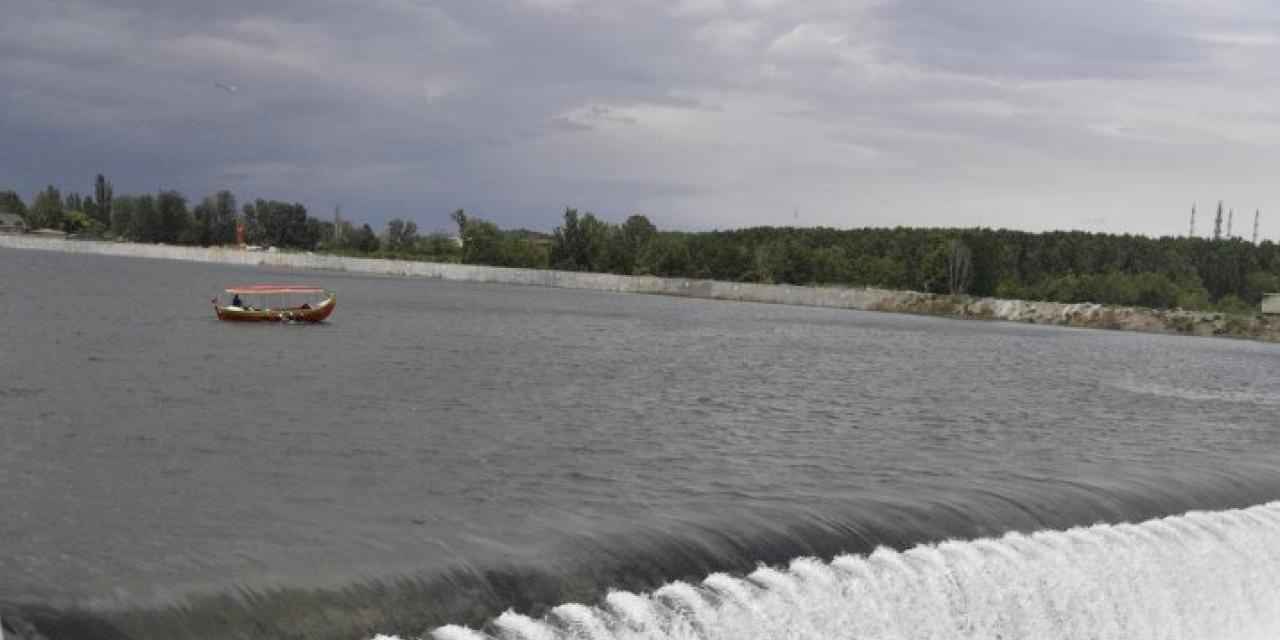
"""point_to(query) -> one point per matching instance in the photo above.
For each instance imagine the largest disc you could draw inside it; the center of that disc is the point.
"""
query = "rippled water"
(148, 451)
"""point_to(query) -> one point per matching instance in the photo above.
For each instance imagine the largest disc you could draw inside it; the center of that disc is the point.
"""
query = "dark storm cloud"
(699, 112)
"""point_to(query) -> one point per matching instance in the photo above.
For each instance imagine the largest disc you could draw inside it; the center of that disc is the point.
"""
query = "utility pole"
(1192, 232)
(1256, 215)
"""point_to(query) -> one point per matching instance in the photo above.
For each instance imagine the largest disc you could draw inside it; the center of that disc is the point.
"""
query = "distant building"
(1271, 303)
(12, 223)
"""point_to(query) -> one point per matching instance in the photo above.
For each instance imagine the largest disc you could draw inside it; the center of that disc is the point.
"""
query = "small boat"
(276, 303)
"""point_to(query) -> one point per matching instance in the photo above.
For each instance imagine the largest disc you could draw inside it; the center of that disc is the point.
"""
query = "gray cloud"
(1041, 39)
(701, 113)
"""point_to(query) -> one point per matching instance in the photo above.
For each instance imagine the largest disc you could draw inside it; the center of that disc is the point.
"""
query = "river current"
(621, 466)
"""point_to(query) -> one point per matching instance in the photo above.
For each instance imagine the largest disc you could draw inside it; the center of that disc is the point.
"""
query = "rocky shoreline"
(1092, 316)
(1178, 322)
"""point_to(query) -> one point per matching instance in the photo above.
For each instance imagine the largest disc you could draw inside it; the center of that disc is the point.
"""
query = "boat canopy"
(274, 289)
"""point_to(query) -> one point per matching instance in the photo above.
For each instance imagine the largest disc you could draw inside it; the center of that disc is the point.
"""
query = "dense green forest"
(1223, 273)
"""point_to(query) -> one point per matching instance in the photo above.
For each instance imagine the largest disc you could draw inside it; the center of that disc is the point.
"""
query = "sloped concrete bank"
(1256, 327)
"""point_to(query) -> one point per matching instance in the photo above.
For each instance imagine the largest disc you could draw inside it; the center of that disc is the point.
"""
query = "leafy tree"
(631, 238)
(365, 240)
(122, 213)
(222, 218)
(144, 219)
(581, 243)
(784, 261)
(214, 220)
(172, 218)
(525, 252)
(878, 271)
(440, 247)
(313, 233)
(1154, 290)
(959, 267)
(484, 243)
(402, 236)
(936, 266)
(46, 209)
(566, 251)
(11, 202)
(80, 222)
(280, 224)
(342, 237)
(481, 242)
(666, 255)
(831, 265)
(1258, 283)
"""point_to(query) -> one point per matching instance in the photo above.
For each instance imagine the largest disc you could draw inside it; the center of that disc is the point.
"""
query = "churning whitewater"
(1196, 576)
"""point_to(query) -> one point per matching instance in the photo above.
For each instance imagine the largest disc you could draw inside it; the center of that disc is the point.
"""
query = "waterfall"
(1195, 576)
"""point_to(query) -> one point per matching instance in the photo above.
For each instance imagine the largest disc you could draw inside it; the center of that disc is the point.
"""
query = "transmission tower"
(1217, 223)
(1192, 232)
(1231, 220)
(1256, 215)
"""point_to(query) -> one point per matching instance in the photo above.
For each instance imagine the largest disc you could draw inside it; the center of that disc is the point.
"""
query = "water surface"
(148, 451)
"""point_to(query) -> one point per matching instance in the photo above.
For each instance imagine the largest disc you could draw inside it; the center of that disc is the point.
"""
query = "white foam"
(579, 621)
(1196, 576)
(513, 626)
(636, 612)
(451, 632)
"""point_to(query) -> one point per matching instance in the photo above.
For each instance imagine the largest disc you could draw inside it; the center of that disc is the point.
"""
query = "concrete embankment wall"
(780, 294)
(1053, 313)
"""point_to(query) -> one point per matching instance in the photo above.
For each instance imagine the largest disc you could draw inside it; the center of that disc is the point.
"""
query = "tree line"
(1167, 272)
(169, 217)
(1223, 273)
(1227, 274)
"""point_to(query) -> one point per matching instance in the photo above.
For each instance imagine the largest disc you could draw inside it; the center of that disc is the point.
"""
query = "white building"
(1271, 303)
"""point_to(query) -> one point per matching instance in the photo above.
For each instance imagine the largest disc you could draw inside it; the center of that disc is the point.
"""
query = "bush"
(1194, 299)
(1258, 283)
(1233, 304)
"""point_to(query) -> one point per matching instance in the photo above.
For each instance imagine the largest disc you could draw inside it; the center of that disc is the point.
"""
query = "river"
(569, 443)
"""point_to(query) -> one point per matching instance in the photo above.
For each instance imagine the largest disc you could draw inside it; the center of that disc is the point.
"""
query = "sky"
(1113, 115)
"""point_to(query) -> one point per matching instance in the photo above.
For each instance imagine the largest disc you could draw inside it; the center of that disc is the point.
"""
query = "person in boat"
(235, 301)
